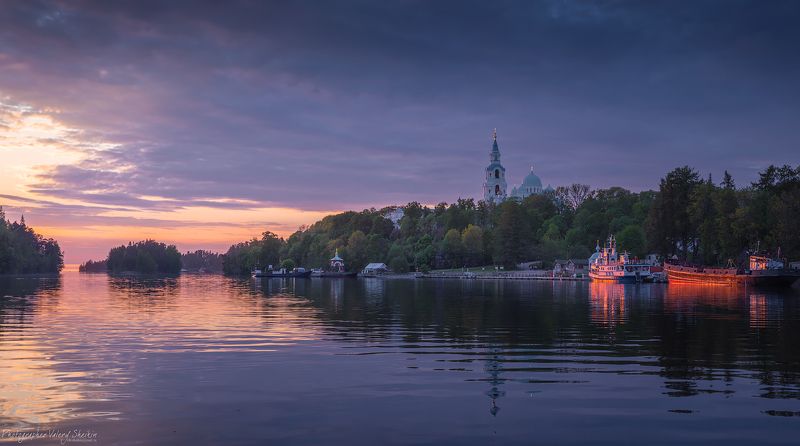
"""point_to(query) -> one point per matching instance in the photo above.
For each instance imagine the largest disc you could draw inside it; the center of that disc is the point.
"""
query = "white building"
(494, 185)
(375, 268)
(394, 213)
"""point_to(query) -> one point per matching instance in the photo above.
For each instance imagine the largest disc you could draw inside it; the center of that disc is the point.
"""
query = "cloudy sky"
(203, 124)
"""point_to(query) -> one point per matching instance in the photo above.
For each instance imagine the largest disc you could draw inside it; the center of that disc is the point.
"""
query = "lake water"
(215, 360)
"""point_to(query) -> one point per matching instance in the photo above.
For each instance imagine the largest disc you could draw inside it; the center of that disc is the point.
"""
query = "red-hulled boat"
(763, 271)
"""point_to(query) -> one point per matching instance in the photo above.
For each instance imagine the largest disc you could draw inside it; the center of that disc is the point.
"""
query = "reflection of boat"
(762, 271)
(283, 272)
(608, 303)
(609, 265)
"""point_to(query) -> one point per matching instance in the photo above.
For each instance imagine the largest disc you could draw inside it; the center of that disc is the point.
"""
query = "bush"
(399, 264)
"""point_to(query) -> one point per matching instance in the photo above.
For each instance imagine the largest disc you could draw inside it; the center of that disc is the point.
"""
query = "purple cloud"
(330, 105)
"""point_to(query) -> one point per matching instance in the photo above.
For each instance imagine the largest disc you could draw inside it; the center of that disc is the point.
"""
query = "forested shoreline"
(693, 218)
(23, 251)
(144, 257)
(151, 257)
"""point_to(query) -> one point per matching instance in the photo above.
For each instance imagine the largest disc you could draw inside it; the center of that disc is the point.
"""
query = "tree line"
(692, 218)
(23, 251)
(689, 217)
(704, 222)
(146, 257)
(138, 258)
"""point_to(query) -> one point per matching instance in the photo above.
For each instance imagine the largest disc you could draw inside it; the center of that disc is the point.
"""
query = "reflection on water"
(29, 390)
(608, 303)
(433, 360)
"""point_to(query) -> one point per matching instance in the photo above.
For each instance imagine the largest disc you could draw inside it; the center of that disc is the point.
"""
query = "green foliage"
(687, 216)
(288, 264)
(509, 234)
(256, 253)
(399, 264)
(472, 245)
(632, 239)
(200, 260)
(711, 224)
(670, 226)
(357, 250)
(146, 257)
(91, 266)
(23, 251)
(452, 248)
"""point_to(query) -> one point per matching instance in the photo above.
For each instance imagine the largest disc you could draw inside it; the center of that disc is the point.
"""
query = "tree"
(576, 194)
(270, 252)
(357, 251)
(508, 234)
(288, 264)
(147, 257)
(703, 215)
(472, 243)
(399, 264)
(672, 228)
(726, 205)
(424, 253)
(451, 247)
(23, 251)
(632, 239)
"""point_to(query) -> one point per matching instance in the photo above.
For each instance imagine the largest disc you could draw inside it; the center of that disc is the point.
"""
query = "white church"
(494, 185)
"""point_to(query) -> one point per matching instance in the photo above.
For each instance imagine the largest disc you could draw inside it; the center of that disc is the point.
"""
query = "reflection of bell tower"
(493, 368)
(494, 183)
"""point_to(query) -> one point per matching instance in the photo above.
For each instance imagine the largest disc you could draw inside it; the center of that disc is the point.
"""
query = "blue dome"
(532, 181)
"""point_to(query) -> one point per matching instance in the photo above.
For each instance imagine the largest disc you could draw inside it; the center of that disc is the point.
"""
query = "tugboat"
(609, 265)
(761, 270)
(336, 268)
(283, 272)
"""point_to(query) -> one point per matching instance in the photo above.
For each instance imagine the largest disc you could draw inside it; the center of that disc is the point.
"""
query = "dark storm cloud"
(324, 105)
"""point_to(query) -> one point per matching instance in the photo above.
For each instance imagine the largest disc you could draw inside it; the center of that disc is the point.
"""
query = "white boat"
(609, 265)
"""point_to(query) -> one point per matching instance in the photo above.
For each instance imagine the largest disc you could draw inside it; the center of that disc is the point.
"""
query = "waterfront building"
(337, 263)
(375, 268)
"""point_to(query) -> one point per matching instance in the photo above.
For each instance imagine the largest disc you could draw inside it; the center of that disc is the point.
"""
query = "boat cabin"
(758, 263)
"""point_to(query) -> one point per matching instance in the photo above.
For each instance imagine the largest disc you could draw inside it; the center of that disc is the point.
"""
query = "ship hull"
(778, 278)
(612, 279)
(331, 274)
(267, 275)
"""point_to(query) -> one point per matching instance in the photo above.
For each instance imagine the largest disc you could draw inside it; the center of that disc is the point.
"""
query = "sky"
(205, 123)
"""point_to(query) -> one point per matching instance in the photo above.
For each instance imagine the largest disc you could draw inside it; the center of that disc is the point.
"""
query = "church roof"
(532, 181)
(336, 256)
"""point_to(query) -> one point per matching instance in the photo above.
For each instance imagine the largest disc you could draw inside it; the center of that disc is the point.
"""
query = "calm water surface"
(214, 360)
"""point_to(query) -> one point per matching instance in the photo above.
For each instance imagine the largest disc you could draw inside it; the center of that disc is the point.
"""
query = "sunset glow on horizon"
(34, 143)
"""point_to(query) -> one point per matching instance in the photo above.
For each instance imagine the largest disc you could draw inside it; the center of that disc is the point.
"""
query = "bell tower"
(494, 184)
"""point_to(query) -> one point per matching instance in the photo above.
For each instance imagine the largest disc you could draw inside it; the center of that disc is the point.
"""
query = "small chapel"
(495, 186)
